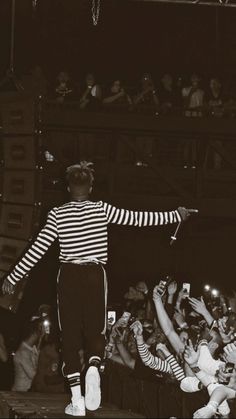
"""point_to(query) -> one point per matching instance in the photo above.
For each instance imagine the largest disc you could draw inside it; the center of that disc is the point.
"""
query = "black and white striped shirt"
(170, 365)
(81, 228)
(152, 361)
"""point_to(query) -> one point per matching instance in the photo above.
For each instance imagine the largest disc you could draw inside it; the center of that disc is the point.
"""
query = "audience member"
(116, 98)
(146, 99)
(26, 357)
(92, 95)
(193, 96)
(167, 95)
(63, 90)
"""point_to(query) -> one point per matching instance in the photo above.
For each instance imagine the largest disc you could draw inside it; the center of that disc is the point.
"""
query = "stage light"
(207, 287)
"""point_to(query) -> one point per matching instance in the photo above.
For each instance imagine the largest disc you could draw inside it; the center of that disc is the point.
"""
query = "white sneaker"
(76, 409)
(92, 389)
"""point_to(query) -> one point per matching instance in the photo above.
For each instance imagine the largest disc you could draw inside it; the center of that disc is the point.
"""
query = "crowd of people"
(32, 362)
(161, 333)
(168, 334)
(192, 96)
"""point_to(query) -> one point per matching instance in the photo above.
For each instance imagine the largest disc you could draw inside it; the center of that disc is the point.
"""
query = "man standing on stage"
(81, 228)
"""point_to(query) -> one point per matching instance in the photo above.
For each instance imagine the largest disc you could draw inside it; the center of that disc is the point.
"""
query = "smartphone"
(111, 317)
(229, 367)
(186, 287)
(162, 284)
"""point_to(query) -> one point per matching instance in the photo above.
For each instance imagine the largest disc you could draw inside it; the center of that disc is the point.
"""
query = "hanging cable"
(96, 4)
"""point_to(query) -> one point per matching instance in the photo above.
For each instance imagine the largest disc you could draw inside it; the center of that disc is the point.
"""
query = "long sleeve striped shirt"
(170, 365)
(81, 228)
(152, 361)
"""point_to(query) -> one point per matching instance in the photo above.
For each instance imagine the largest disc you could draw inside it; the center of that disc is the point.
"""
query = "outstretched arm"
(144, 218)
(200, 308)
(220, 394)
(35, 252)
(166, 323)
(148, 359)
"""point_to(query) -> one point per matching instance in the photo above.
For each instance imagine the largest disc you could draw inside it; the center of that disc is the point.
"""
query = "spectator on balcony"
(178, 85)
(63, 90)
(193, 96)
(214, 97)
(167, 94)
(117, 98)
(214, 102)
(146, 99)
(92, 94)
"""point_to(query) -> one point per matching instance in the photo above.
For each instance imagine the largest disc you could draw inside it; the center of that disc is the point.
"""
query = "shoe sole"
(92, 391)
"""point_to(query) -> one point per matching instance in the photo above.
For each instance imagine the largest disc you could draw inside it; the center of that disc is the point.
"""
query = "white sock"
(94, 361)
(74, 382)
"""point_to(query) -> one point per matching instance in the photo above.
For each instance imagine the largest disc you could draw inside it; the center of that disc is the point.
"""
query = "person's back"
(25, 365)
(25, 358)
(82, 231)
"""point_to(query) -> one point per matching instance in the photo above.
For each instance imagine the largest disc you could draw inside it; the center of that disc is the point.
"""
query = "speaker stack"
(20, 189)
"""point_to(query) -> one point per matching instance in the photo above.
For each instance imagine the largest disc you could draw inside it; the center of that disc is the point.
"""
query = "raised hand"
(184, 213)
(157, 292)
(163, 348)
(198, 306)
(7, 287)
(223, 377)
(190, 355)
(230, 353)
(227, 336)
(137, 329)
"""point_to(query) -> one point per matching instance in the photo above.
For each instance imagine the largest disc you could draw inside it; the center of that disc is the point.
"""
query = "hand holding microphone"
(184, 214)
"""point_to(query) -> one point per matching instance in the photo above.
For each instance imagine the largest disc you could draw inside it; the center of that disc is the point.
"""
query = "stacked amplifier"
(20, 184)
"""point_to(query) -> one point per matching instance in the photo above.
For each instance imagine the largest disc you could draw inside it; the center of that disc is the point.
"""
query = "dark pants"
(82, 312)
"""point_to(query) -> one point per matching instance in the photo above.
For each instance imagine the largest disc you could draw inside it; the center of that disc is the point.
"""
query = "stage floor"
(38, 405)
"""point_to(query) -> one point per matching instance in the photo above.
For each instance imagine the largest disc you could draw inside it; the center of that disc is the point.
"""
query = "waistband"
(83, 262)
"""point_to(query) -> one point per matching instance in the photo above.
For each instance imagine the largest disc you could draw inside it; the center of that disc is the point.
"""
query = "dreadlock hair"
(80, 176)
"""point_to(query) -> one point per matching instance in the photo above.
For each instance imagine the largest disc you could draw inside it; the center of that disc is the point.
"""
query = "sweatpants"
(82, 295)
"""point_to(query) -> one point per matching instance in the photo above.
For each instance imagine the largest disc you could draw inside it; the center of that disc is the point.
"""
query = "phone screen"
(111, 317)
(162, 284)
(186, 287)
(229, 367)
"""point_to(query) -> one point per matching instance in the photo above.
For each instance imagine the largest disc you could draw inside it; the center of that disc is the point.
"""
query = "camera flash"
(207, 287)
(215, 293)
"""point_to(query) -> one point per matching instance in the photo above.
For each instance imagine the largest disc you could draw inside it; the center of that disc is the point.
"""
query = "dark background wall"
(131, 37)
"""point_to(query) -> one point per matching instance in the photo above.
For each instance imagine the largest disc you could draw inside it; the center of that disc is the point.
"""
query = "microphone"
(174, 237)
